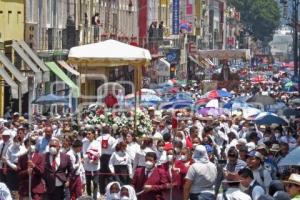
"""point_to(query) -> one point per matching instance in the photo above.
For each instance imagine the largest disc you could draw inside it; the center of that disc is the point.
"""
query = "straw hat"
(275, 148)
(294, 179)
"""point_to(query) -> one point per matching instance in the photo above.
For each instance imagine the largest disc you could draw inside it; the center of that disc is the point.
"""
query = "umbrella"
(258, 79)
(295, 101)
(145, 98)
(211, 112)
(267, 118)
(235, 104)
(292, 159)
(291, 112)
(248, 112)
(181, 97)
(263, 99)
(50, 99)
(218, 94)
(148, 91)
(176, 105)
(202, 101)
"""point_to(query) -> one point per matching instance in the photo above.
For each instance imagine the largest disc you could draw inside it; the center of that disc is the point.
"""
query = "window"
(9, 16)
(18, 17)
(30, 11)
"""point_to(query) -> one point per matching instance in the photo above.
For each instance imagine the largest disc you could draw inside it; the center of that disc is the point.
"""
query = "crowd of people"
(186, 156)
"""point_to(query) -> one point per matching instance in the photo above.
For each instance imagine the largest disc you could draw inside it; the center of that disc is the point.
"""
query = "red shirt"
(110, 101)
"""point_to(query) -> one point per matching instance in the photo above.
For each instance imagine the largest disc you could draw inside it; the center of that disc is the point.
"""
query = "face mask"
(32, 148)
(16, 145)
(114, 196)
(121, 153)
(243, 188)
(194, 146)
(170, 157)
(183, 158)
(190, 122)
(267, 139)
(53, 151)
(54, 127)
(177, 139)
(244, 129)
(160, 149)
(177, 150)
(149, 165)
(277, 135)
(169, 127)
(125, 198)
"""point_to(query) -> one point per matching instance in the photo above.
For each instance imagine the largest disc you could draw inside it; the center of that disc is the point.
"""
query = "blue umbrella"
(50, 99)
(176, 105)
(181, 97)
(267, 118)
(292, 159)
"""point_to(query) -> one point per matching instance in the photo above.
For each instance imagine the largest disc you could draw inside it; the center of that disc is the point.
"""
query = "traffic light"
(172, 71)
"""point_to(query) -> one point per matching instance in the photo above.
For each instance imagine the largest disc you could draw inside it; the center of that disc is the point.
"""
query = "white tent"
(109, 53)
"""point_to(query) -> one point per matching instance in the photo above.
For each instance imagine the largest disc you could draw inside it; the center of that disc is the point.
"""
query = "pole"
(29, 175)
(295, 6)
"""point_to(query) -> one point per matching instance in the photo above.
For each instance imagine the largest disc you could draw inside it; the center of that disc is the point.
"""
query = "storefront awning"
(58, 72)
(15, 72)
(68, 68)
(13, 85)
(35, 58)
(163, 68)
(28, 61)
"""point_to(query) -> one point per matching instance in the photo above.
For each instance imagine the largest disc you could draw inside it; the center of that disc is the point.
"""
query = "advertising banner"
(175, 19)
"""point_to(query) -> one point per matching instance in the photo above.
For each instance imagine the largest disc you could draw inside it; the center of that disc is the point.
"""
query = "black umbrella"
(263, 99)
(291, 112)
(50, 99)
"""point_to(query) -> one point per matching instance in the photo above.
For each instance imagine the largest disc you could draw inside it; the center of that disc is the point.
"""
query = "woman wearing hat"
(293, 186)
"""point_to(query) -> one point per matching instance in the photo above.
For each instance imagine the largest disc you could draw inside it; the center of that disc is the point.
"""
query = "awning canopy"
(68, 68)
(163, 67)
(110, 53)
(28, 61)
(13, 85)
(58, 72)
(35, 58)
(15, 72)
(225, 54)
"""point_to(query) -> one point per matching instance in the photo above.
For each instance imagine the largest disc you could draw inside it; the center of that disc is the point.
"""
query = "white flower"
(102, 117)
(114, 127)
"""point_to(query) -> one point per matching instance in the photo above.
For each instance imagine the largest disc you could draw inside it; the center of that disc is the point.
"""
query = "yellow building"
(11, 28)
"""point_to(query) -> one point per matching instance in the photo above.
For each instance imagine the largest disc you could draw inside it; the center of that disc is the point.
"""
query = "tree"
(259, 17)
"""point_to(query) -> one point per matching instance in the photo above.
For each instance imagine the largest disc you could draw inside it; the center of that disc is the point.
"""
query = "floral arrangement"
(118, 120)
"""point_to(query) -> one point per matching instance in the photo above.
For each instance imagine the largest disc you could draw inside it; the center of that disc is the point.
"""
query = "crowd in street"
(186, 156)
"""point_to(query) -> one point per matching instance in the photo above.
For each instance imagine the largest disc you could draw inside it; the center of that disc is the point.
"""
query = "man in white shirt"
(107, 144)
(253, 187)
(4, 145)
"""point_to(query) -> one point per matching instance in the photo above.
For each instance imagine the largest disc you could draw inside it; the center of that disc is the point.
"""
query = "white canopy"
(110, 53)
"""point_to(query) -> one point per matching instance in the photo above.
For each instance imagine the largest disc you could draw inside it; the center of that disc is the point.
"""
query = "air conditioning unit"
(31, 35)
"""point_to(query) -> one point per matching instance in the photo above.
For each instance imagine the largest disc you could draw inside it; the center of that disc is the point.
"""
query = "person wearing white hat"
(201, 177)
(4, 145)
(293, 186)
